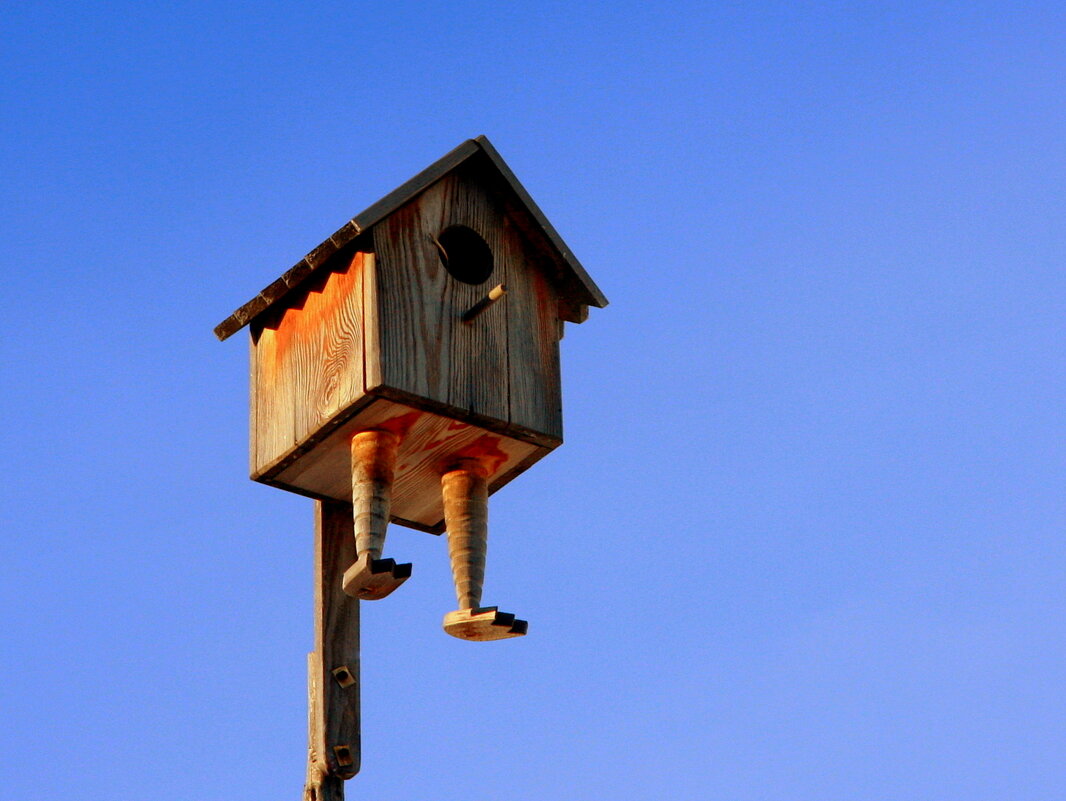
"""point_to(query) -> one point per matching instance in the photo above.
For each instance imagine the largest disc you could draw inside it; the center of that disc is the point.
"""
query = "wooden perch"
(494, 295)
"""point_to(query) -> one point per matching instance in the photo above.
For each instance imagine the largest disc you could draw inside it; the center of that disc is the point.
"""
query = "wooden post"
(333, 667)
(319, 785)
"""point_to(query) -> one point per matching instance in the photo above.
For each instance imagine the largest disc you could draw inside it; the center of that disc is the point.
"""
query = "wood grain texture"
(373, 468)
(503, 365)
(272, 404)
(535, 398)
(466, 515)
(424, 347)
(328, 352)
(336, 737)
(428, 442)
(319, 785)
(307, 364)
(372, 323)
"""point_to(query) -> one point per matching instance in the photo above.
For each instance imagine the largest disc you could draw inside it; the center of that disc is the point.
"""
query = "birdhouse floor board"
(511, 429)
(429, 443)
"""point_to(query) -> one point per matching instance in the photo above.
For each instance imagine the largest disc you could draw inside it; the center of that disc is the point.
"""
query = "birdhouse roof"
(574, 281)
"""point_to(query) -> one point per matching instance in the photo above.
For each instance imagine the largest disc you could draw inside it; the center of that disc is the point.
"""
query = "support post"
(333, 667)
(319, 785)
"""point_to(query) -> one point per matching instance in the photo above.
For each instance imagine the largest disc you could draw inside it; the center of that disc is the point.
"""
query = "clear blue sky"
(805, 537)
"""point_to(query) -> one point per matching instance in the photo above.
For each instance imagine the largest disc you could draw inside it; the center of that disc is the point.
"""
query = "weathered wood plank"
(319, 785)
(272, 396)
(372, 376)
(425, 348)
(412, 339)
(336, 736)
(478, 358)
(308, 364)
(535, 399)
(328, 348)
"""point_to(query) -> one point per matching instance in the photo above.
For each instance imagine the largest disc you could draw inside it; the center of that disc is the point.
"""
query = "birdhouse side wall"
(500, 370)
(307, 364)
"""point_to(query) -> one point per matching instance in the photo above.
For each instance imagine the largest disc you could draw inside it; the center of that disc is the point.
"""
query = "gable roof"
(576, 281)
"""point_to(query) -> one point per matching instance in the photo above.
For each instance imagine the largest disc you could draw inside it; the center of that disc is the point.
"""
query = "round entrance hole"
(464, 254)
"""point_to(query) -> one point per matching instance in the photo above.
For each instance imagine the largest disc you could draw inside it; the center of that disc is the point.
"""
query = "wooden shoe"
(372, 579)
(483, 624)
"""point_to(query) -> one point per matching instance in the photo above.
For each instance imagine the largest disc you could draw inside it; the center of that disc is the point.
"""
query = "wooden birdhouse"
(403, 371)
(409, 366)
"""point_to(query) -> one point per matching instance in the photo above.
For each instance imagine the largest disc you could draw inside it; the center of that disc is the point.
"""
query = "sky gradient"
(805, 537)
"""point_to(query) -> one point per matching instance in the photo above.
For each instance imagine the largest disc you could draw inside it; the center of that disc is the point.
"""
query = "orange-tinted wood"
(428, 444)
(373, 468)
(307, 364)
(466, 516)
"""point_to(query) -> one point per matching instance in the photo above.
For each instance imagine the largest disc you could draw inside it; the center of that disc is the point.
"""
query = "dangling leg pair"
(465, 494)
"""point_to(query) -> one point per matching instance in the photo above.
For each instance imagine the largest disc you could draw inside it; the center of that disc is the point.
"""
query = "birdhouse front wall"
(502, 368)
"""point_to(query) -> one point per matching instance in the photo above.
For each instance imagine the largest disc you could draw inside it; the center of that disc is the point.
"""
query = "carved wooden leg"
(373, 464)
(466, 516)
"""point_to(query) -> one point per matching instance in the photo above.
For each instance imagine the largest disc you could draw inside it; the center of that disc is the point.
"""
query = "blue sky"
(804, 539)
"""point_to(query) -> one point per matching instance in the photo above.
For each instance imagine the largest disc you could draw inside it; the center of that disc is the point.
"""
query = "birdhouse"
(409, 366)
